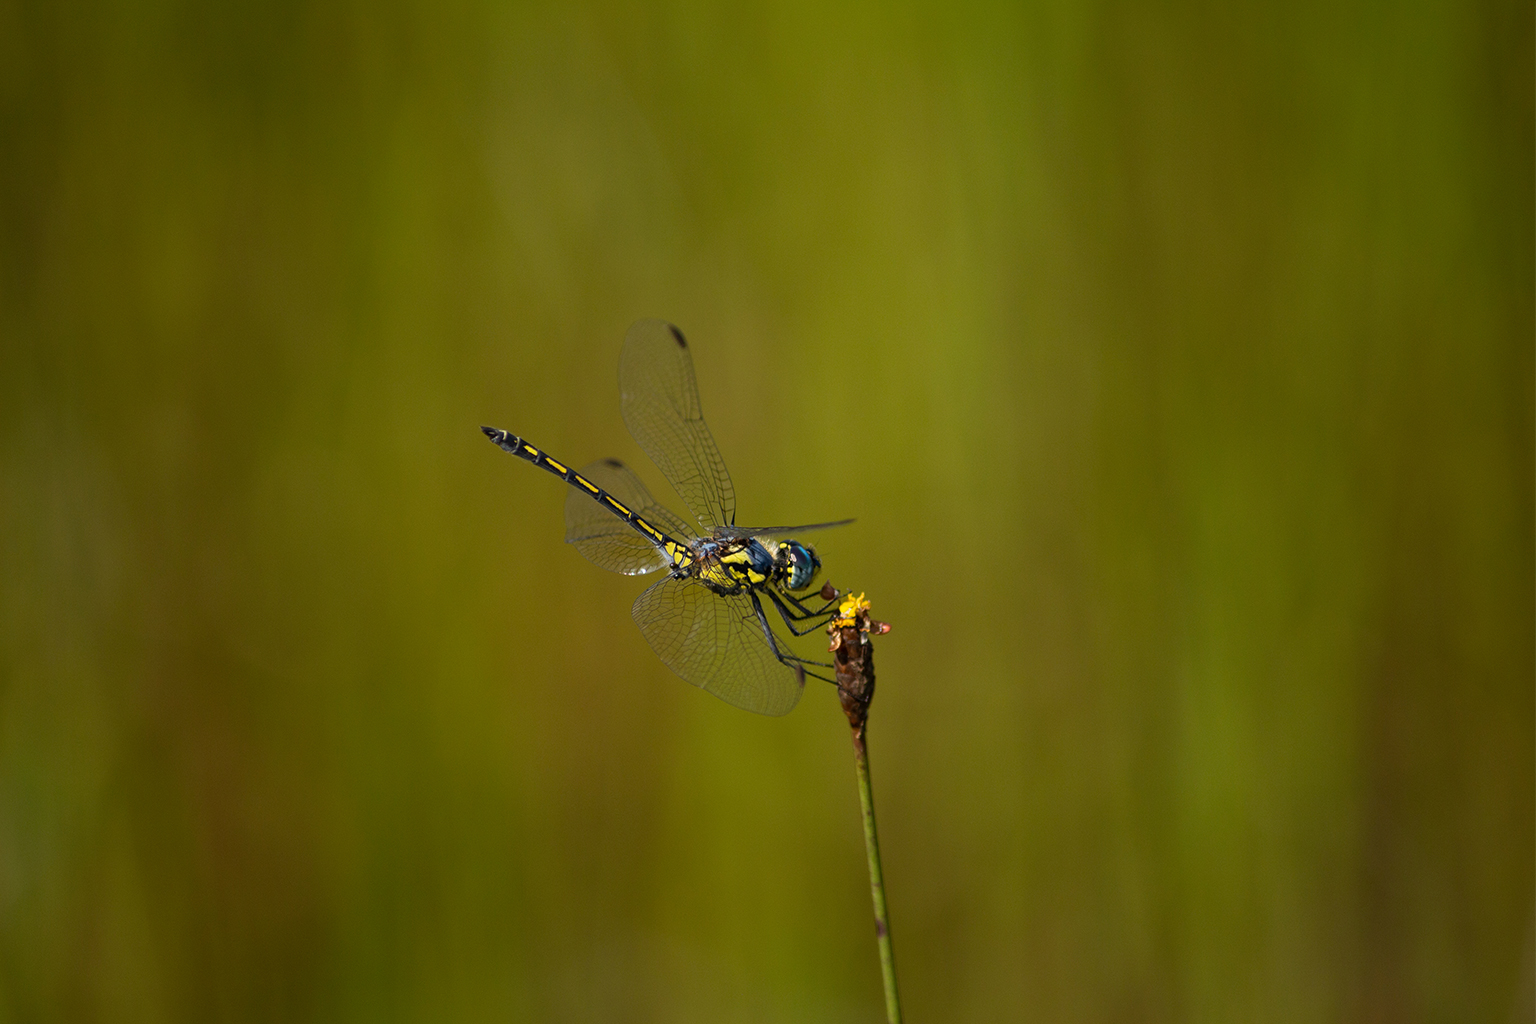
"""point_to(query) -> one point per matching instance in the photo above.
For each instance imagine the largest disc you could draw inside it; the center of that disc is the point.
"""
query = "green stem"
(876, 879)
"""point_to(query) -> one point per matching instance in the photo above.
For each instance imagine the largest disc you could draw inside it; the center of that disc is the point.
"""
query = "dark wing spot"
(681, 341)
(615, 463)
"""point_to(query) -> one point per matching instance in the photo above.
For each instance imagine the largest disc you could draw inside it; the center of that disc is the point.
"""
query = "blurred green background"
(1176, 361)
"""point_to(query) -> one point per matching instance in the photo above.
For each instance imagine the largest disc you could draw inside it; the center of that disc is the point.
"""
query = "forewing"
(716, 643)
(660, 402)
(780, 531)
(608, 541)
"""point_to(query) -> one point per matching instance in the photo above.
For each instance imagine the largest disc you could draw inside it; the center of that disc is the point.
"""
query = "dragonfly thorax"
(729, 565)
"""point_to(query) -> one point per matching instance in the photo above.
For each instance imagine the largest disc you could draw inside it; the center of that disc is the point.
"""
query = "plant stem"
(876, 877)
(854, 659)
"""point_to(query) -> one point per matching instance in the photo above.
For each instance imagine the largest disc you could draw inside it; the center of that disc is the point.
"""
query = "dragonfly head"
(795, 565)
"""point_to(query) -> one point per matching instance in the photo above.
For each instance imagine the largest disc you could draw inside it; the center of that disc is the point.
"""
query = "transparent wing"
(660, 403)
(779, 531)
(716, 643)
(608, 541)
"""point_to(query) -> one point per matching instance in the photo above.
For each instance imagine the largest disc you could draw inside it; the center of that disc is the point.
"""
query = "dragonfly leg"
(784, 656)
(790, 618)
(806, 613)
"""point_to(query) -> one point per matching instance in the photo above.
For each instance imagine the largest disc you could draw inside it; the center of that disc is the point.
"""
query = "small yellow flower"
(851, 606)
(848, 612)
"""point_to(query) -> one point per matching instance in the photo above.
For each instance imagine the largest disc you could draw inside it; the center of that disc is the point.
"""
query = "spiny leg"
(817, 675)
(785, 658)
(806, 613)
(790, 618)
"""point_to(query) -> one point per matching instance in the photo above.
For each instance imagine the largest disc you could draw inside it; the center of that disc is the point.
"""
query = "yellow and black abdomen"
(605, 547)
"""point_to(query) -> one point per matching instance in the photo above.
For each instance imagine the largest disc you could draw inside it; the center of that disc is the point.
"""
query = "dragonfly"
(711, 619)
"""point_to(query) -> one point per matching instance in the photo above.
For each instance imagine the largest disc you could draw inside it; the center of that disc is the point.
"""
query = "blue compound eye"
(801, 565)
